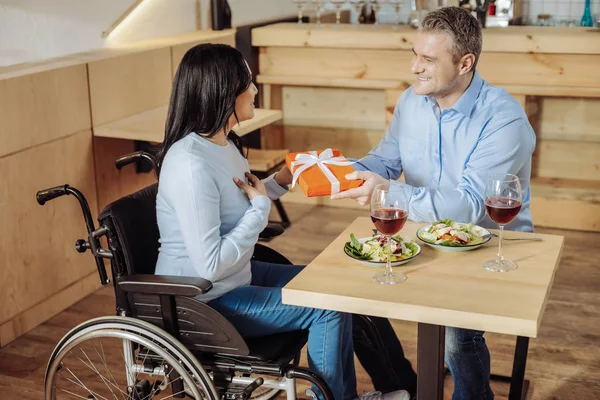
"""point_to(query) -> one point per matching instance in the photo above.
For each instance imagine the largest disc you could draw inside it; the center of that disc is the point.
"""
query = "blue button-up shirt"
(447, 156)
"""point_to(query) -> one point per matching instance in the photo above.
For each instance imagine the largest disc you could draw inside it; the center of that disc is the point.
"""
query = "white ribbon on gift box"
(304, 161)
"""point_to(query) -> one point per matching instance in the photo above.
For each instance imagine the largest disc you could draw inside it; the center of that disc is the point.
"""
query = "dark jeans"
(381, 355)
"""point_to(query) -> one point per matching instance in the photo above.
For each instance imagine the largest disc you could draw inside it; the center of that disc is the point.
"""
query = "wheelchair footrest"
(242, 392)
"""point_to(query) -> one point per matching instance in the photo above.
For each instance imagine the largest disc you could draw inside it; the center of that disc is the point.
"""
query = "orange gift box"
(313, 180)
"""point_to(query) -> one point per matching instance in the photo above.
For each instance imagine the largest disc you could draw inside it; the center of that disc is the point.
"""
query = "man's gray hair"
(461, 26)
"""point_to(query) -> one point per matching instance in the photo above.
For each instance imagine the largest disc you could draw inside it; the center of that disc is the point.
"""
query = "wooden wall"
(48, 112)
(46, 141)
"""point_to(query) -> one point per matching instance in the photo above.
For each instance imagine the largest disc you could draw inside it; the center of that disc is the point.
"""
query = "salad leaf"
(351, 250)
(449, 243)
(412, 247)
(355, 243)
(375, 248)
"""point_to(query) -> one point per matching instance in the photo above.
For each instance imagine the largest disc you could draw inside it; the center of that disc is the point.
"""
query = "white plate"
(381, 263)
(481, 231)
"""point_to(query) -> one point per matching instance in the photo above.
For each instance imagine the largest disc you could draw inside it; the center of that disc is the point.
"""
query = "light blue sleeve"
(384, 159)
(274, 190)
(504, 146)
(196, 201)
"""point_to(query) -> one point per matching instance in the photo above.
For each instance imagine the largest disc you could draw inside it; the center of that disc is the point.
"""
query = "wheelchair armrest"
(165, 284)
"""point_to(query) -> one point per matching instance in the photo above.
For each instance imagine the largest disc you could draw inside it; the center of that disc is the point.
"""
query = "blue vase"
(587, 19)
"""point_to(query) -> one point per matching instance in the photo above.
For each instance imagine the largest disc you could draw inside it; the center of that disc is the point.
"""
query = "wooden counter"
(337, 86)
(150, 125)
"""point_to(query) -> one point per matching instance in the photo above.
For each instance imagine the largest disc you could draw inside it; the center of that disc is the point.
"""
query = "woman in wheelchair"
(211, 209)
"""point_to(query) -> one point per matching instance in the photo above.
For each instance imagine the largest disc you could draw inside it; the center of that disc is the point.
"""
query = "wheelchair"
(162, 342)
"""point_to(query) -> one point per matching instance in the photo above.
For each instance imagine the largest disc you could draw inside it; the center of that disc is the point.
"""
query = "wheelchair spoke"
(173, 395)
(103, 358)
(93, 368)
(81, 384)
(104, 380)
(74, 394)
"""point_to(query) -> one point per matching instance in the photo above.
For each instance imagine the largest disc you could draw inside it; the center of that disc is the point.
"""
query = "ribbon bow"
(304, 161)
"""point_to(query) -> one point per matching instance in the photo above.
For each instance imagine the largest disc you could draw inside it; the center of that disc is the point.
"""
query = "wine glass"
(503, 202)
(376, 5)
(338, 4)
(389, 210)
(319, 8)
(397, 4)
(300, 4)
(358, 6)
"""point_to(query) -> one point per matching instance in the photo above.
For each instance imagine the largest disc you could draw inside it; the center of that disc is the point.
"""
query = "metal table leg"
(430, 362)
(518, 385)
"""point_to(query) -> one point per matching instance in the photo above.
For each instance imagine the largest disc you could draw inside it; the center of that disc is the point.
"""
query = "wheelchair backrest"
(133, 220)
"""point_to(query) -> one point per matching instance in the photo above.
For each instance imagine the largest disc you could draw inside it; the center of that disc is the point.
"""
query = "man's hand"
(362, 194)
(283, 177)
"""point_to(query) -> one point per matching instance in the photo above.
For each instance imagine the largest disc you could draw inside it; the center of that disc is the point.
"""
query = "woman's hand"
(283, 177)
(253, 188)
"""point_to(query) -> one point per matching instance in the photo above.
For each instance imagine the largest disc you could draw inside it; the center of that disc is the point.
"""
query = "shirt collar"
(466, 102)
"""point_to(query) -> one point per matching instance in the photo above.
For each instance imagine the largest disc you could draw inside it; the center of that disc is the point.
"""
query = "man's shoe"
(397, 395)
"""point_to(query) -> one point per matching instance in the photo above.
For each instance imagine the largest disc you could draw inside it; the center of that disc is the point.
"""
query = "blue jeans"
(468, 359)
(256, 310)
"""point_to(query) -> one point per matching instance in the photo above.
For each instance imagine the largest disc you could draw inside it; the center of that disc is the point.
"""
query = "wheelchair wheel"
(124, 358)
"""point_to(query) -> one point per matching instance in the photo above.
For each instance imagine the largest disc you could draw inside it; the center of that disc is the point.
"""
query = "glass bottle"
(586, 19)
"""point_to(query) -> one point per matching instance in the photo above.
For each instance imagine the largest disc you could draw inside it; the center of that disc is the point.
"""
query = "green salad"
(375, 248)
(449, 233)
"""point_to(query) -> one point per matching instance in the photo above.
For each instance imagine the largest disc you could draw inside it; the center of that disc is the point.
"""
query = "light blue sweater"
(208, 226)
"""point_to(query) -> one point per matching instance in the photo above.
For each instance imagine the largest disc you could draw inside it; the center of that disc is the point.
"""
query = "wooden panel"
(334, 107)
(271, 136)
(336, 63)
(567, 204)
(528, 90)
(41, 107)
(48, 308)
(177, 52)
(112, 183)
(567, 159)
(353, 143)
(497, 68)
(515, 39)
(263, 160)
(570, 119)
(37, 256)
(332, 82)
(575, 70)
(127, 85)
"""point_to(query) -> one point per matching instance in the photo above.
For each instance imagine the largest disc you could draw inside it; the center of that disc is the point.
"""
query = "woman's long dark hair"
(208, 80)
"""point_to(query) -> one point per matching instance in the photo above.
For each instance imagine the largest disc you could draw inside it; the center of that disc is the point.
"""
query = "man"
(450, 131)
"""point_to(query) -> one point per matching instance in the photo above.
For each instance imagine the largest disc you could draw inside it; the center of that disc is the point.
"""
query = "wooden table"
(150, 125)
(442, 289)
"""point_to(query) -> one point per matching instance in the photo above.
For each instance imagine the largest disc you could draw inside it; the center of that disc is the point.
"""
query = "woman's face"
(244, 104)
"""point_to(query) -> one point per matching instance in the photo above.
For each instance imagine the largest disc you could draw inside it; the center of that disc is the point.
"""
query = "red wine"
(502, 210)
(388, 221)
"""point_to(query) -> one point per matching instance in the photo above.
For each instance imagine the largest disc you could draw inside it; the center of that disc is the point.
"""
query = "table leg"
(430, 362)
(518, 372)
